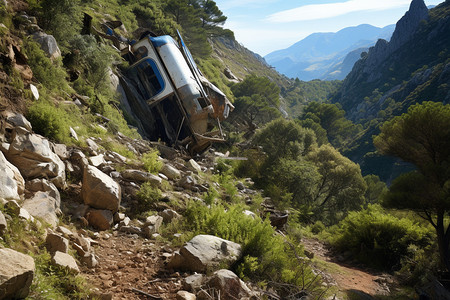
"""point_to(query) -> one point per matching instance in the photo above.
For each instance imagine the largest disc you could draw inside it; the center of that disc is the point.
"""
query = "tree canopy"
(422, 137)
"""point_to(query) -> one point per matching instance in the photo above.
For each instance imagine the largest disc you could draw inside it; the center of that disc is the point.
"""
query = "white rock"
(11, 182)
(43, 206)
(65, 260)
(34, 91)
(194, 166)
(99, 190)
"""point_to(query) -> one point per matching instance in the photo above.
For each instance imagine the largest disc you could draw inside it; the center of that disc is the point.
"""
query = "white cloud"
(325, 11)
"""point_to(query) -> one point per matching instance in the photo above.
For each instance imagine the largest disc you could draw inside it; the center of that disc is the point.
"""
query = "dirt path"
(347, 278)
(128, 263)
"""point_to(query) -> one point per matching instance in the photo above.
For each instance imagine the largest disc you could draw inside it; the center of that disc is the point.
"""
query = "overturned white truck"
(168, 96)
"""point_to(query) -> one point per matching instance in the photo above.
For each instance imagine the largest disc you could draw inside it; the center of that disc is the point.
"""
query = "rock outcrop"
(11, 181)
(16, 274)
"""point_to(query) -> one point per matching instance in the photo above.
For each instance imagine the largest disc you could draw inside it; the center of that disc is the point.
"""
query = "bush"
(148, 195)
(151, 162)
(378, 239)
(49, 120)
(266, 255)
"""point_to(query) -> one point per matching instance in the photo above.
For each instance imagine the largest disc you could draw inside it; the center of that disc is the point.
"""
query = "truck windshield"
(147, 78)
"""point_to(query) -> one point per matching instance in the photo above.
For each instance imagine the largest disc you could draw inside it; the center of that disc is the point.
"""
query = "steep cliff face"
(413, 67)
(421, 40)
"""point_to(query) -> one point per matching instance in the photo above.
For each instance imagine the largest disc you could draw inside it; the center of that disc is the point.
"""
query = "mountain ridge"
(314, 56)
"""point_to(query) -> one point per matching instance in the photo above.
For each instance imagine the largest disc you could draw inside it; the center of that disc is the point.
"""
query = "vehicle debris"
(166, 93)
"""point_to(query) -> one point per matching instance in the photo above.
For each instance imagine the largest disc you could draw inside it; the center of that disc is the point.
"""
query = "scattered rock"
(141, 176)
(18, 119)
(64, 260)
(55, 242)
(168, 215)
(61, 151)
(187, 182)
(229, 285)
(97, 160)
(73, 133)
(205, 252)
(183, 295)
(194, 282)
(99, 190)
(48, 44)
(171, 172)
(35, 92)
(43, 185)
(89, 260)
(193, 166)
(43, 206)
(100, 219)
(11, 182)
(16, 274)
(32, 155)
(131, 229)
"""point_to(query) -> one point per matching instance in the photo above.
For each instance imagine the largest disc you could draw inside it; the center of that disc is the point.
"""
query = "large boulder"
(42, 206)
(205, 253)
(48, 44)
(18, 120)
(32, 155)
(100, 219)
(11, 182)
(43, 185)
(16, 274)
(99, 190)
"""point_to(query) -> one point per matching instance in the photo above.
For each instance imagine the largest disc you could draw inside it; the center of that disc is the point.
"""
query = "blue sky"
(264, 26)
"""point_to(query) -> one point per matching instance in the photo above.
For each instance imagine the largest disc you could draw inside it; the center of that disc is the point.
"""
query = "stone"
(194, 282)
(171, 172)
(183, 295)
(249, 213)
(130, 229)
(34, 91)
(141, 176)
(42, 206)
(155, 221)
(11, 181)
(92, 145)
(99, 190)
(100, 219)
(73, 133)
(67, 233)
(55, 242)
(205, 252)
(16, 274)
(43, 185)
(240, 186)
(187, 182)
(229, 285)
(89, 260)
(66, 261)
(32, 155)
(3, 223)
(17, 119)
(25, 215)
(97, 160)
(48, 44)
(61, 151)
(115, 157)
(168, 215)
(193, 166)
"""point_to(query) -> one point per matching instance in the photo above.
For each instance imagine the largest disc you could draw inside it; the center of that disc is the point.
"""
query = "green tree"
(375, 188)
(422, 137)
(331, 118)
(341, 186)
(257, 101)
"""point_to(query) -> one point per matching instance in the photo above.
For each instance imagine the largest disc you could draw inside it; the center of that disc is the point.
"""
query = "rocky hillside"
(411, 68)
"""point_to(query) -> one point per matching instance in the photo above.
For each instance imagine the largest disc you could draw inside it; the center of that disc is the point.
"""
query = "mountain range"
(327, 56)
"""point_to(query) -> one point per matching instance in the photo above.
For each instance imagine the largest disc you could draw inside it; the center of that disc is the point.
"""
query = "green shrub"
(266, 255)
(148, 195)
(317, 227)
(50, 74)
(378, 239)
(49, 120)
(151, 162)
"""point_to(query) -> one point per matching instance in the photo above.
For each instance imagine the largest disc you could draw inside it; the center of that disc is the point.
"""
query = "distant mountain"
(414, 66)
(327, 55)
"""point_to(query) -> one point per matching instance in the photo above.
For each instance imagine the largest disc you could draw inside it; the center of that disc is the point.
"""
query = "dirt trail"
(344, 276)
(128, 263)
